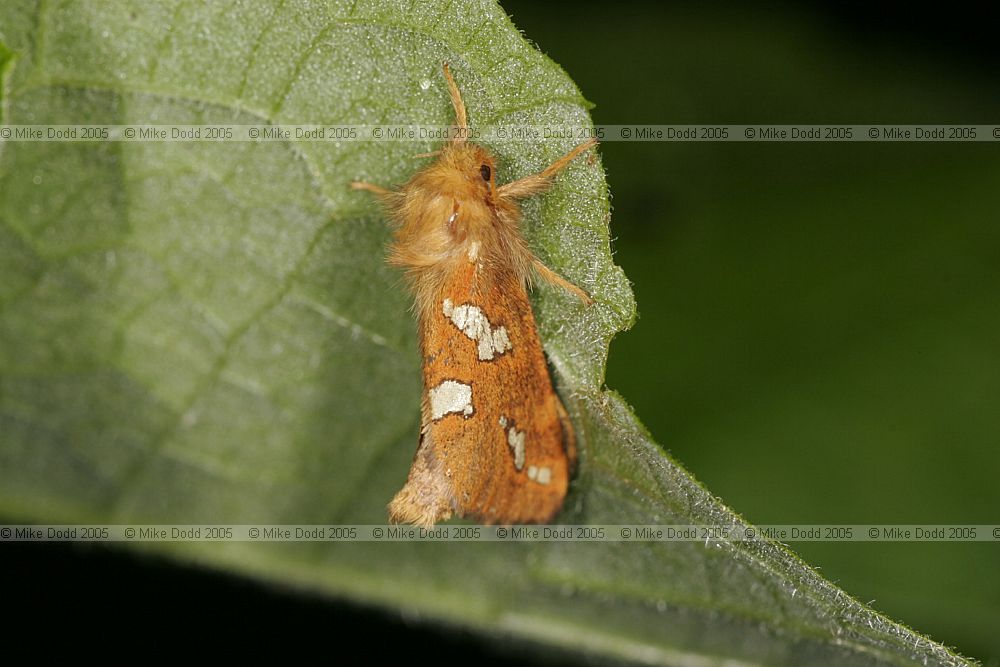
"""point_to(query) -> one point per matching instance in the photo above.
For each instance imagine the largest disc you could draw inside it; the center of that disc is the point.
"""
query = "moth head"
(449, 205)
(469, 172)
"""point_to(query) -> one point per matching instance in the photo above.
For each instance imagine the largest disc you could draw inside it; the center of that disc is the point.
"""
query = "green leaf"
(207, 332)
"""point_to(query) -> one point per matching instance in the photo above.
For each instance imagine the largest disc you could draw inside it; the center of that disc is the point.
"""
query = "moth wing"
(496, 444)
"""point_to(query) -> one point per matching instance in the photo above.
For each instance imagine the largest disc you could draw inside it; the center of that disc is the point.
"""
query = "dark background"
(817, 339)
(817, 336)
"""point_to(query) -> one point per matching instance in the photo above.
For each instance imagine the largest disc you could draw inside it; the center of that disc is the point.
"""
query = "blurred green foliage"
(817, 339)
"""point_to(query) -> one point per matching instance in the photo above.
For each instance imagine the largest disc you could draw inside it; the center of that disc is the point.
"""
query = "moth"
(495, 443)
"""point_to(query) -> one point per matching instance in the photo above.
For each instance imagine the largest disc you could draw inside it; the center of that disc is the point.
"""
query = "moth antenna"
(431, 154)
(456, 101)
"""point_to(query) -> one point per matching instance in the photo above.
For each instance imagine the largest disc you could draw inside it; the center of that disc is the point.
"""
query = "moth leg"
(554, 278)
(530, 185)
(371, 187)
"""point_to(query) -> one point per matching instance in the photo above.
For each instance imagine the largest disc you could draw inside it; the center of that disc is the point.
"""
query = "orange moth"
(496, 444)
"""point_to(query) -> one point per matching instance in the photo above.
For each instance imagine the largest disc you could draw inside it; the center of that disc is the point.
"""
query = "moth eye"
(485, 172)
